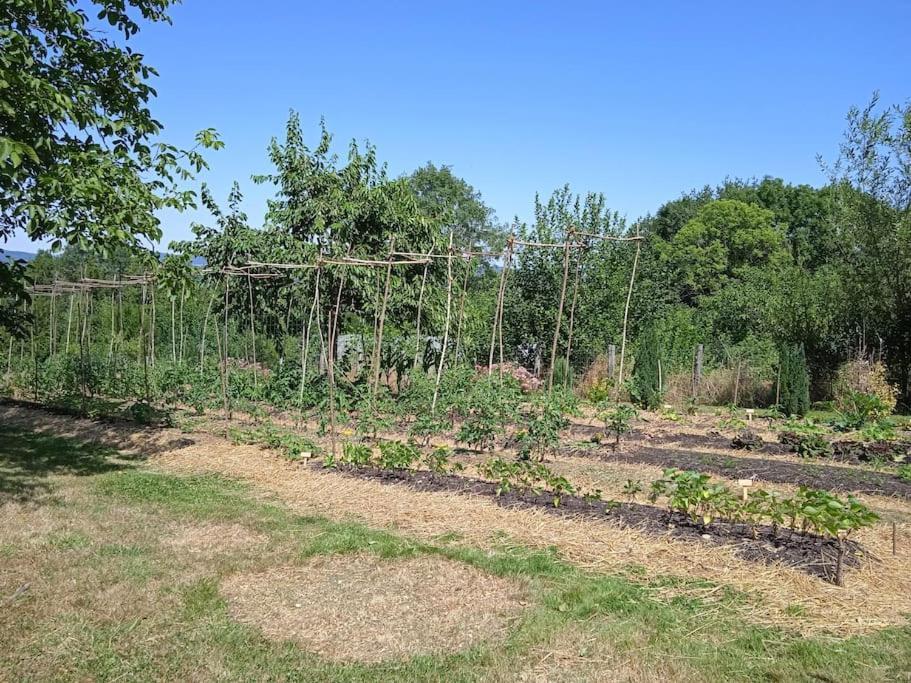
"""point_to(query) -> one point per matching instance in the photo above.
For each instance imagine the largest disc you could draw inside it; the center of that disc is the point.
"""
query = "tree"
(872, 198)
(455, 205)
(794, 381)
(81, 161)
(646, 379)
(725, 238)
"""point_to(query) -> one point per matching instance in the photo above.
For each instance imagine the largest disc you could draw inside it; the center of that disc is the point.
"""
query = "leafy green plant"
(426, 426)
(632, 488)
(523, 476)
(882, 430)
(732, 420)
(904, 473)
(692, 494)
(396, 455)
(356, 454)
(863, 409)
(542, 435)
(747, 440)
(618, 421)
(813, 446)
(439, 462)
(830, 516)
(479, 430)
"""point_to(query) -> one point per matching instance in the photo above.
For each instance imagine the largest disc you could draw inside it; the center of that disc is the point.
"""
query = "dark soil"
(811, 474)
(811, 554)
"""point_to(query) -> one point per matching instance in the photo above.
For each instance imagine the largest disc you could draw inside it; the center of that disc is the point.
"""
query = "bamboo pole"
(202, 339)
(553, 348)
(572, 320)
(417, 332)
(378, 336)
(497, 317)
(173, 330)
(436, 388)
(69, 323)
(153, 290)
(252, 329)
(462, 298)
(113, 328)
(226, 399)
(305, 337)
(183, 298)
(629, 296)
(143, 343)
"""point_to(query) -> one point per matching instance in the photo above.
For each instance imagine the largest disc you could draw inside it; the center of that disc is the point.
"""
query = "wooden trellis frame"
(575, 240)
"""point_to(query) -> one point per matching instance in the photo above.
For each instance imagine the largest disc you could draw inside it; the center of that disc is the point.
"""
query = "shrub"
(645, 384)
(862, 409)
(862, 376)
(794, 391)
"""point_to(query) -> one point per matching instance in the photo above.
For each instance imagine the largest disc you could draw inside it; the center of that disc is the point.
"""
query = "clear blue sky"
(641, 101)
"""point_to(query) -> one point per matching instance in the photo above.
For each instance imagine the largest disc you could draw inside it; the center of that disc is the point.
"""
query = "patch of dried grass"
(363, 608)
(876, 595)
(213, 538)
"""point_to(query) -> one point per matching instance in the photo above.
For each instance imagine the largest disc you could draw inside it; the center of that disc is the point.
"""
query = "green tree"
(872, 192)
(455, 205)
(794, 387)
(80, 157)
(724, 239)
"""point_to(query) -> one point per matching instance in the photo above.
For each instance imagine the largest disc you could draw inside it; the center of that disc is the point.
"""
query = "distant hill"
(13, 255)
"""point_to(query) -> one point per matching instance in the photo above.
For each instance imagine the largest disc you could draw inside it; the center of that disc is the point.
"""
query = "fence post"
(697, 370)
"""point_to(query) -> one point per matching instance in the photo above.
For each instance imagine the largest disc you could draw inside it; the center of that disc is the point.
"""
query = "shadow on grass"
(28, 459)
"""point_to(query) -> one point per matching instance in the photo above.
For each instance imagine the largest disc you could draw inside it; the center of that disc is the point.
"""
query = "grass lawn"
(110, 570)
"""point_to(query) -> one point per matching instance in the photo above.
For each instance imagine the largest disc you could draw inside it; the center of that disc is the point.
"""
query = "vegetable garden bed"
(813, 474)
(809, 553)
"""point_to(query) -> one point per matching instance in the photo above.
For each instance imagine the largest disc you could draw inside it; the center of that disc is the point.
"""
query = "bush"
(794, 381)
(862, 376)
(645, 384)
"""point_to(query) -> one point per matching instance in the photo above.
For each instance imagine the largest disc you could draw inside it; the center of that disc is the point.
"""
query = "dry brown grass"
(877, 595)
(213, 538)
(362, 608)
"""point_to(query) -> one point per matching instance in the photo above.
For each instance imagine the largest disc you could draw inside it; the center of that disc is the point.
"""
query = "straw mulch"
(876, 595)
(363, 608)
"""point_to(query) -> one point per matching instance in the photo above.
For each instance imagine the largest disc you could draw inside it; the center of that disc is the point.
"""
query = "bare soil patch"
(812, 474)
(363, 608)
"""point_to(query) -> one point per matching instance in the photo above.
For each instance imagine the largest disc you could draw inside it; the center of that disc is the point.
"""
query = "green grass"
(169, 621)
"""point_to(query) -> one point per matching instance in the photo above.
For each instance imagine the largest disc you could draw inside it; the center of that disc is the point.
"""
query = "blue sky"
(641, 101)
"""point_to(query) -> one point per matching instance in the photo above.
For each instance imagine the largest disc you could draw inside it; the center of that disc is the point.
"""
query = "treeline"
(750, 270)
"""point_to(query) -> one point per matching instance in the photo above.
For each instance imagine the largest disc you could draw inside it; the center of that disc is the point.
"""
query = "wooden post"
(697, 371)
(629, 296)
(553, 348)
(612, 361)
(737, 384)
(436, 388)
